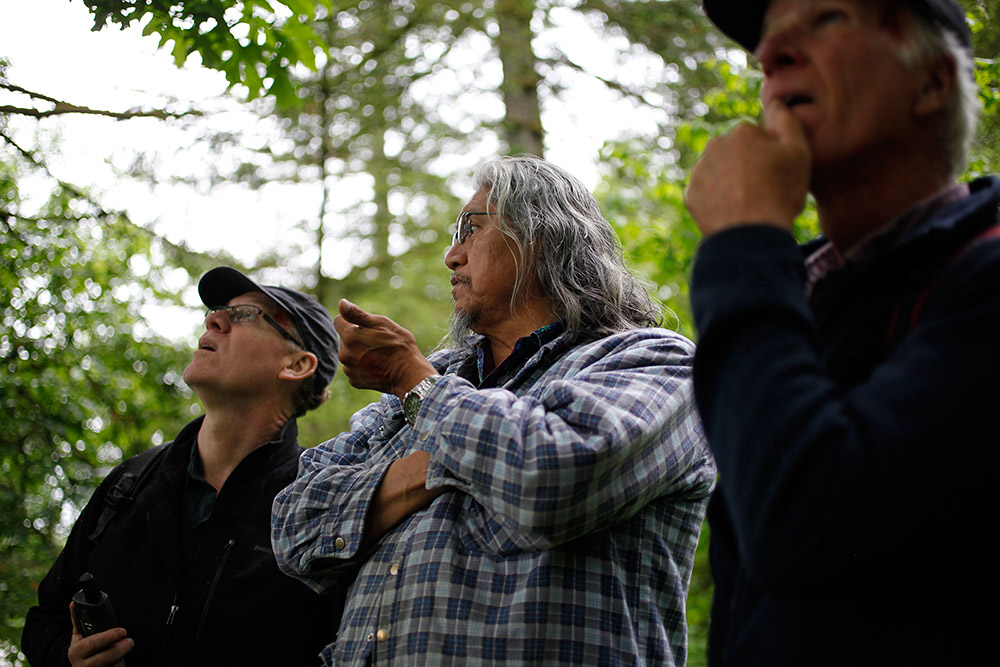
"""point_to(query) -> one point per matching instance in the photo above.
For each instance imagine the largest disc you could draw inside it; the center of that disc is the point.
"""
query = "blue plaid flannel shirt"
(579, 489)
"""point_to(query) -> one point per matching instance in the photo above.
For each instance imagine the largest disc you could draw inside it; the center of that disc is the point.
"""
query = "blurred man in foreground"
(847, 387)
(179, 536)
(534, 494)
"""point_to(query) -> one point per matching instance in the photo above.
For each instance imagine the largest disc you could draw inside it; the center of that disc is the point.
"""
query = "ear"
(938, 87)
(300, 365)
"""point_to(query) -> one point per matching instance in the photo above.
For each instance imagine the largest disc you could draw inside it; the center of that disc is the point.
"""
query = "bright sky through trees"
(117, 70)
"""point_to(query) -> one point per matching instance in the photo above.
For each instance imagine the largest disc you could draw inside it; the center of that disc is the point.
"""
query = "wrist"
(413, 399)
(411, 376)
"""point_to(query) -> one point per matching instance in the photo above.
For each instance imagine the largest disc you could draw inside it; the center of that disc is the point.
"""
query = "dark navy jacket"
(231, 607)
(856, 437)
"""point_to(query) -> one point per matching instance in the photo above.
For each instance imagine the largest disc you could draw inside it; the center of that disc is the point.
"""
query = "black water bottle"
(92, 608)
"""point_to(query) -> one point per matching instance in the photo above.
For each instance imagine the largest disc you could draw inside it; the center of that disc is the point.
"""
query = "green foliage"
(674, 30)
(985, 21)
(646, 208)
(254, 42)
(84, 382)
(985, 156)
(699, 602)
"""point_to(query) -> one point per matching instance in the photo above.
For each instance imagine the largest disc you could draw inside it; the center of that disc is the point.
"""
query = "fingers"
(102, 649)
(72, 618)
(377, 353)
(355, 314)
(751, 175)
(784, 126)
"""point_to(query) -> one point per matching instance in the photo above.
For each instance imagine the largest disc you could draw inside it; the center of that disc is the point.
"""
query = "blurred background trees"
(380, 111)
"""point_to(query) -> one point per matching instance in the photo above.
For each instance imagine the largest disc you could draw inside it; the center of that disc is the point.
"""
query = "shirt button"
(370, 636)
(394, 569)
(382, 635)
(339, 543)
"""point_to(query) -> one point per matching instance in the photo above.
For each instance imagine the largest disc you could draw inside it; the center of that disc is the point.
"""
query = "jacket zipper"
(174, 607)
(173, 610)
(211, 590)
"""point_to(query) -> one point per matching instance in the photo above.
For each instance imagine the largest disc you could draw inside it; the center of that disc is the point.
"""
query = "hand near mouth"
(752, 175)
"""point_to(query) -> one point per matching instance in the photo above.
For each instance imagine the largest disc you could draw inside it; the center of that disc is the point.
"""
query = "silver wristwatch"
(413, 398)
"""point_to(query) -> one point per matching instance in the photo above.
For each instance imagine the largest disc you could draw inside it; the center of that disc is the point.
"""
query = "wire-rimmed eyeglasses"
(463, 226)
(247, 312)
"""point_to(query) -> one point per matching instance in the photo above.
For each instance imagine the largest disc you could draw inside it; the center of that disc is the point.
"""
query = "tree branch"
(639, 95)
(199, 260)
(60, 107)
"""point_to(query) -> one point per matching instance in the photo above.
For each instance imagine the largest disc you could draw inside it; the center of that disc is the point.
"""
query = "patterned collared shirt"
(577, 492)
(491, 375)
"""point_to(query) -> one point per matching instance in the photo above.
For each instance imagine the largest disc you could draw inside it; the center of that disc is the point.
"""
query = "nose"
(218, 320)
(455, 256)
(779, 49)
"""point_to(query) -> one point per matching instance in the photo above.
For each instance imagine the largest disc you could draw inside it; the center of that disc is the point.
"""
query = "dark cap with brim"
(311, 319)
(742, 19)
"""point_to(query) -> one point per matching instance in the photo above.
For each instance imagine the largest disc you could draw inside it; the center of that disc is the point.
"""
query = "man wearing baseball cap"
(179, 536)
(847, 386)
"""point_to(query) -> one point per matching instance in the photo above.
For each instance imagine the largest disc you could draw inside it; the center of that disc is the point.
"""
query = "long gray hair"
(557, 231)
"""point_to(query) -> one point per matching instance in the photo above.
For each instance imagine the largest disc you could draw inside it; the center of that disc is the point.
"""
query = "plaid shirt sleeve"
(611, 427)
(605, 430)
(318, 520)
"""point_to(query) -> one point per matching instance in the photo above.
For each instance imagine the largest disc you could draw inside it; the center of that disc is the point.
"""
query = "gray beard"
(460, 328)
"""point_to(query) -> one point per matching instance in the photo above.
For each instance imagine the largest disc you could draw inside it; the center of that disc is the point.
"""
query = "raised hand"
(376, 353)
(752, 175)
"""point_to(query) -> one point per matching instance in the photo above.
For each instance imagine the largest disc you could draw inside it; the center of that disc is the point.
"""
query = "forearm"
(606, 430)
(818, 471)
(401, 493)
(318, 521)
(765, 402)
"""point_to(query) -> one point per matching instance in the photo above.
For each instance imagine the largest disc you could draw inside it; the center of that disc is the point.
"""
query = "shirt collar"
(195, 468)
(524, 347)
(827, 259)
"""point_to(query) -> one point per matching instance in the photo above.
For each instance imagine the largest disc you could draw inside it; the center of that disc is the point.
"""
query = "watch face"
(412, 399)
(411, 405)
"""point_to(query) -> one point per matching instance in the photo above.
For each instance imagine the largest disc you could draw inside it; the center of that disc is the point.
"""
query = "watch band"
(414, 397)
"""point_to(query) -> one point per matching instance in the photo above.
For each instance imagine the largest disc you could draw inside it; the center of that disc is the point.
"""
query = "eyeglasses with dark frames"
(463, 226)
(247, 312)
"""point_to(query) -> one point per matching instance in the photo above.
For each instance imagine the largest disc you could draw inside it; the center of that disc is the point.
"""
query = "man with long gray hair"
(534, 493)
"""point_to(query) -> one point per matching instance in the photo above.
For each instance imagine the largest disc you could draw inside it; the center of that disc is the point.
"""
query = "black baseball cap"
(311, 319)
(743, 19)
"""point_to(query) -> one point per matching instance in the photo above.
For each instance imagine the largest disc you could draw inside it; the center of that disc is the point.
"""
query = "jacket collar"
(921, 229)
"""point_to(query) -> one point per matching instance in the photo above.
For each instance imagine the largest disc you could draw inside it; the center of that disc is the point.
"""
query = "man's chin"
(193, 375)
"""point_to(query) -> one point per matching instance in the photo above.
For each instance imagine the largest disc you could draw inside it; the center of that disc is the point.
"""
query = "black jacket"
(855, 435)
(231, 607)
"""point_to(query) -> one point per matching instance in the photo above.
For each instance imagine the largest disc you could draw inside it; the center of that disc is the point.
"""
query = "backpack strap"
(899, 324)
(133, 474)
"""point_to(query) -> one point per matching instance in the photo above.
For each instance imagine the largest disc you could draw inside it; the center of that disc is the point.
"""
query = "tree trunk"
(522, 124)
